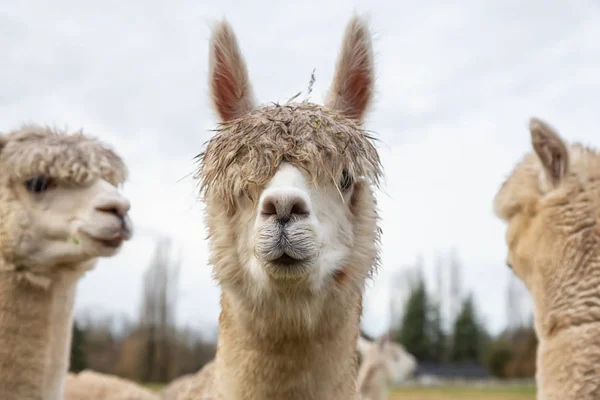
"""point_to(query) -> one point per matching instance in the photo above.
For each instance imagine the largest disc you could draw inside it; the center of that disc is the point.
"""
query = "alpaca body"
(90, 385)
(383, 363)
(551, 203)
(292, 227)
(60, 211)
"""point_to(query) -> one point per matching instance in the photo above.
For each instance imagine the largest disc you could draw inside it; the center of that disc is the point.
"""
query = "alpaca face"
(288, 187)
(301, 231)
(550, 203)
(59, 201)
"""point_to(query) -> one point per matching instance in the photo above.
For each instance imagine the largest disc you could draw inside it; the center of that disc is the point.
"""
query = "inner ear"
(229, 84)
(352, 88)
(550, 149)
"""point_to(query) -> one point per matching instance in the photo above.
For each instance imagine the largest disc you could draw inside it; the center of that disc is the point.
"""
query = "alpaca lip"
(286, 260)
(112, 243)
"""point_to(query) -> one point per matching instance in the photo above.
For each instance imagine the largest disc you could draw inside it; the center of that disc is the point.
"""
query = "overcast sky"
(456, 84)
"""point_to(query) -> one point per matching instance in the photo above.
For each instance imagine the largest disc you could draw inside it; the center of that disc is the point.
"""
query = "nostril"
(268, 207)
(299, 207)
(284, 207)
(113, 209)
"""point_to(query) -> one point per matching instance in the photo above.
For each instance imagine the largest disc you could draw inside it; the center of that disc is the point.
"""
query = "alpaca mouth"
(111, 243)
(286, 260)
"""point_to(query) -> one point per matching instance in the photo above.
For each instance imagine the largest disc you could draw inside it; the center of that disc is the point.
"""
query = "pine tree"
(468, 335)
(413, 334)
(437, 337)
(78, 361)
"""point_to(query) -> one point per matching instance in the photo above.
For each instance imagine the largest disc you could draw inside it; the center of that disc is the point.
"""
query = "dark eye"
(509, 265)
(346, 181)
(38, 184)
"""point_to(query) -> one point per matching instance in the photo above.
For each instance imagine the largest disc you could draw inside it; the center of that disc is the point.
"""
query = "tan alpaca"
(292, 225)
(95, 386)
(551, 203)
(191, 385)
(383, 363)
(60, 210)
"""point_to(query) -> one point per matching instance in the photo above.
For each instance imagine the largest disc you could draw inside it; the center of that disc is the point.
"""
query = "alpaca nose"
(285, 205)
(119, 206)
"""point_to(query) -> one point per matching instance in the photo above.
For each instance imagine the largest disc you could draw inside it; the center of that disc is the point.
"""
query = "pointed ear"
(383, 341)
(550, 149)
(3, 141)
(362, 345)
(230, 89)
(352, 88)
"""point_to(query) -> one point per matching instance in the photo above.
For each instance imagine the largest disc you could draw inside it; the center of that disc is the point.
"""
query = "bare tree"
(157, 317)
(517, 304)
(455, 299)
(403, 281)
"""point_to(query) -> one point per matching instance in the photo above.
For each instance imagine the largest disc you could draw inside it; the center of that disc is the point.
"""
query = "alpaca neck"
(567, 324)
(261, 356)
(35, 329)
(567, 364)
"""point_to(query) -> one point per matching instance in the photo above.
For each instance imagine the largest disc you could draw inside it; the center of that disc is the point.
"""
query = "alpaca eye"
(38, 184)
(346, 182)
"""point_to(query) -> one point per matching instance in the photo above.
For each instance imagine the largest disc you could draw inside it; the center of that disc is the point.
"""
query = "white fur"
(327, 226)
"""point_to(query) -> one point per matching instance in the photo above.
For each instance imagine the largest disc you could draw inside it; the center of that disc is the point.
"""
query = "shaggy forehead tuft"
(74, 158)
(245, 152)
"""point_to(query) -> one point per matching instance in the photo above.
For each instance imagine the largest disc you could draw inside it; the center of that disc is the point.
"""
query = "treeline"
(150, 349)
(419, 326)
(437, 326)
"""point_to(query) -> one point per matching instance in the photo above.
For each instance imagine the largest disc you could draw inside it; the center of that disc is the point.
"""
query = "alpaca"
(60, 210)
(91, 385)
(190, 385)
(292, 227)
(551, 204)
(383, 363)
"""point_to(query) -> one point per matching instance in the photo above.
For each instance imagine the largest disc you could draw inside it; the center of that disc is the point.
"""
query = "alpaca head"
(59, 202)
(397, 363)
(550, 203)
(288, 188)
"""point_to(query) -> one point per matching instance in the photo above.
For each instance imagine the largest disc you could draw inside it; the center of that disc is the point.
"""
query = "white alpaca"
(91, 385)
(60, 210)
(293, 232)
(384, 363)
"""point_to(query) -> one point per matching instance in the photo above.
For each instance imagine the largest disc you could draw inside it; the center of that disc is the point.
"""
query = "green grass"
(442, 393)
(464, 392)
(154, 386)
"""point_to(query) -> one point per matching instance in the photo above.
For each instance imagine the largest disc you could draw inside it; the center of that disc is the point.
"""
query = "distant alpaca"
(551, 203)
(383, 363)
(90, 385)
(292, 228)
(60, 210)
(191, 385)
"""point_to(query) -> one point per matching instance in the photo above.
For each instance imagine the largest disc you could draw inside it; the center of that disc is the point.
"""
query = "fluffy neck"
(567, 364)
(567, 322)
(35, 326)
(271, 351)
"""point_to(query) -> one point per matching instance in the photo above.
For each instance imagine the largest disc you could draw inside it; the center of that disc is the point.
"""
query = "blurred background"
(457, 82)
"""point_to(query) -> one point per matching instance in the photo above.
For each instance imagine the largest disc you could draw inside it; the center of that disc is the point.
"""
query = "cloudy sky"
(456, 83)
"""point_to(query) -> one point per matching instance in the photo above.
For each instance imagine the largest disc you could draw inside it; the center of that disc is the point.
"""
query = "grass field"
(455, 393)
(450, 393)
